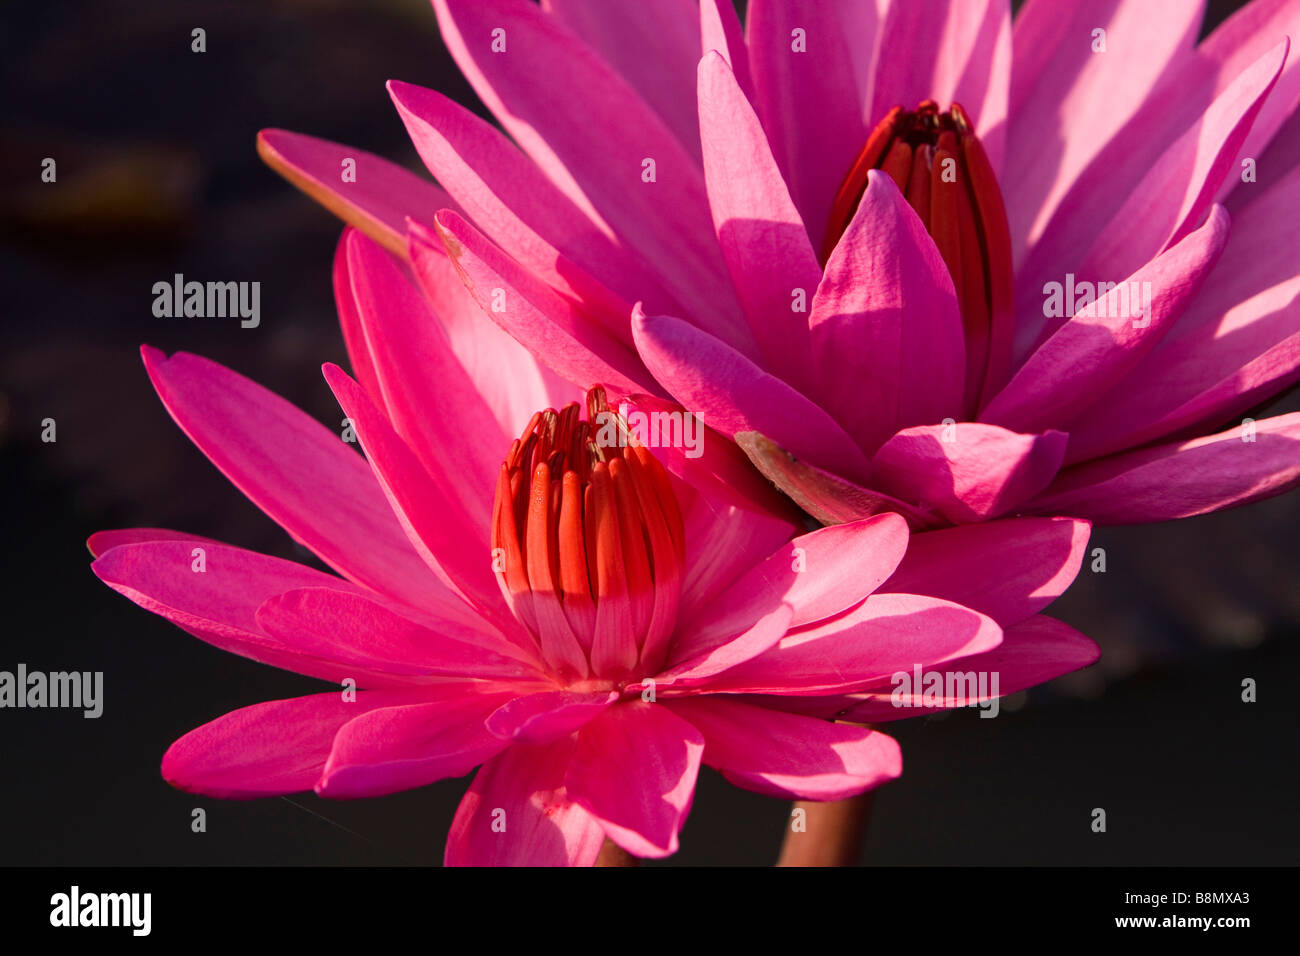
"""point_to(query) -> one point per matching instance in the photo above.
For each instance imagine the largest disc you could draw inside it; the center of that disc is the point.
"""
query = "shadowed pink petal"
(438, 532)
(1008, 569)
(722, 542)
(818, 575)
(1177, 480)
(355, 629)
(888, 346)
(1092, 351)
(293, 468)
(426, 391)
(967, 472)
(354, 337)
(1237, 344)
(596, 155)
(102, 541)
(518, 813)
(720, 30)
(884, 634)
(505, 194)
(398, 748)
(1066, 95)
(785, 755)
(268, 749)
(723, 648)
(512, 382)
(377, 202)
(219, 604)
(763, 241)
(540, 718)
(634, 769)
(808, 90)
(654, 46)
(951, 53)
(730, 393)
(1033, 652)
(569, 341)
(827, 497)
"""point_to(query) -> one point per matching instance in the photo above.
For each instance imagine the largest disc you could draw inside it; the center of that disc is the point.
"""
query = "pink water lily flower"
(556, 608)
(911, 256)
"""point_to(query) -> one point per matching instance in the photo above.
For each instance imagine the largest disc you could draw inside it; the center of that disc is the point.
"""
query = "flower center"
(588, 543)
(939, 165)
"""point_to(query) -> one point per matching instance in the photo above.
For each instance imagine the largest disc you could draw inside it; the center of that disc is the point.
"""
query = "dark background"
(157, 175)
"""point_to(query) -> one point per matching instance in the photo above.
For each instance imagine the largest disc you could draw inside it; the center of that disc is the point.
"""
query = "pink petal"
(1064, 94)
(654, 46)
(595, 155)
(888, 346)
(785, 755)
(1033, 561)
(884, 634)
(1181, 479)
(354, 337)
(518, 813)
(811, 102)
(634, 769)
(399, 748)
(818, 575)
(428, 395)
(763, 240)
(720, 30)
(102, 541)
(1236, 345)
(1095, 349)
(358, 630)
(569, 341)
(438, 532)
(378, 202)
(967, 472)
(512, 382)
(730, 393)
(724, 648)
(542, 717)
(1033, 652)
(268, 749)
(949, 52)
(299, 472)
(509, 198)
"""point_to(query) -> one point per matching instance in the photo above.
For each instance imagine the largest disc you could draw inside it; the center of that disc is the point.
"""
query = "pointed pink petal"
(951, 53)
(268, 749)
(732, 394)
(785, 755)
(428, 395)
(510, 379)
(654, 46)
(568, 340)
(399, 748)
(723, 541)
(518, 813)
(1033, 652)
(818, 575)
(763, 240)
(1036, 559)
(884, 634)
(723, 649)
(634, 769)
(967, 472)
(377, 202)
(1237, 344)
(827, 497)
(1065, 95)
(540, 718)
(354, 337)
(888, 346)
(505, 194)
(1181, 479)
(300, 473)
(355, 629)
(720, 30)
(437, 530)
(102, 541)
(596, 155)
(811, 100)
(1101, 344)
